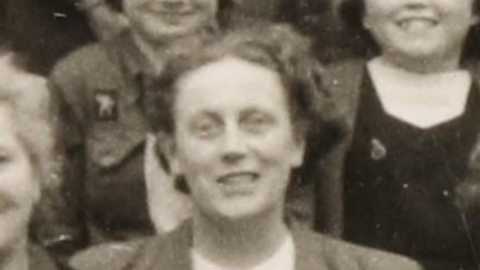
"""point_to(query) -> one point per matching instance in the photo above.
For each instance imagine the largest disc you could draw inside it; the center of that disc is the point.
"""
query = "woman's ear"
(365, 22)
(166, 153)
(37, 192)
(475, 19)
(298, 153)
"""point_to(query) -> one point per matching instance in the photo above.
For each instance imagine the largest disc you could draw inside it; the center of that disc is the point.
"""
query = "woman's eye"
(4, 158)
(257, 122)
(206, 128)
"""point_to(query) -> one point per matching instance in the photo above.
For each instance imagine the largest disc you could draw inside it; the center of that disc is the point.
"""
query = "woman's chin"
(13, 229)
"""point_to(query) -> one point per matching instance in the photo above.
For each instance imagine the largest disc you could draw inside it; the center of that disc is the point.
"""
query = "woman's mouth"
(176, 11)
(238, 183)
(417, 24)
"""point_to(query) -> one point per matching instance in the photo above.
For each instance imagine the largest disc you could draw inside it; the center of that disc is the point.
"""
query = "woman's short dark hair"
(224, 13)
(277, 47)
(351, 13)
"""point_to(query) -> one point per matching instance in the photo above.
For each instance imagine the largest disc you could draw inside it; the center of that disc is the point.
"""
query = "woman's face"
(161, 20)
(234, 139)
(420, 29)
(19, 189)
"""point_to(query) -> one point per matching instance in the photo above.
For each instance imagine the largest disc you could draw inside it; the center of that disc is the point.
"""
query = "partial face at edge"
(162, 20)
(234, 139)
(19, 190)
(420, 28)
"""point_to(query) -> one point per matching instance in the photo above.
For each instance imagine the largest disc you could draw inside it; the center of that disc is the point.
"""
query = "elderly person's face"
(234, 138)
(19, 189)
(419, 28)
(160, 20)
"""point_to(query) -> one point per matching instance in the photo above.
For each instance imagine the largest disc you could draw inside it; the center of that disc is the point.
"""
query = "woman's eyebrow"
(205, 113)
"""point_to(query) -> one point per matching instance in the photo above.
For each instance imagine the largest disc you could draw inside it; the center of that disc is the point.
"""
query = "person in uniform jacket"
(408, 145)
(28, 163)
(237, 116)
(100, 92)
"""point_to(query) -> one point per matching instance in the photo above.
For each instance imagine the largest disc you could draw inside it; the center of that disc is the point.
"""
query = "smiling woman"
(27, 163)
(238, 114)
(236, 150)
(410, 112)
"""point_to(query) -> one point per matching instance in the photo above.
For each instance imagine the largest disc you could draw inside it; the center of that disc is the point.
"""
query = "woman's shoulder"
(372, 259)
(338, 254)
(166, 248)
(110, 256)
(83, 59)
(41, 259)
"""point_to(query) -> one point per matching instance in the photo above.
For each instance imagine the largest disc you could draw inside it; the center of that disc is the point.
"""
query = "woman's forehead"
(230, 83)
(225, 68)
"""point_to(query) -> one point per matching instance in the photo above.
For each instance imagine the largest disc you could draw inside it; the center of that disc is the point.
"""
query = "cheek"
(26, 187)
(18, 185)
(194, 157)
(210, 5)
(376, 14)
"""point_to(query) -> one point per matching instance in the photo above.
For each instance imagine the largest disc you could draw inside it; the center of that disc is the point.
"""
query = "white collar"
(282, 259)
(423, 100)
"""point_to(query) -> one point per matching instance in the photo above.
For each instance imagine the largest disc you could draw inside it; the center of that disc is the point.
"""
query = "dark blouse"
(400, 180)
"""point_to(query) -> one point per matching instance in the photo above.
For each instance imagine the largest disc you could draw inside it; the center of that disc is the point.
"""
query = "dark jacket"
(172, 251)
(41, 260)
(99, 92)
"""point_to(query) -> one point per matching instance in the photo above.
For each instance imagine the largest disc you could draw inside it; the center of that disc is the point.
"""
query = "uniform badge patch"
(106, 105)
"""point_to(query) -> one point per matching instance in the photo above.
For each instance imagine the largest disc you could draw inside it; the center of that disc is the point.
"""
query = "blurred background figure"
(29, 165)
(410, 111)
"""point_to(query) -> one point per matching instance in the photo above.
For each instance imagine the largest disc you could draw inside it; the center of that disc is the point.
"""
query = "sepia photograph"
(240, 135)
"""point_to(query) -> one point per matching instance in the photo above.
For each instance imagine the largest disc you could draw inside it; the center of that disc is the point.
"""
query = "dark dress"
(400, 180)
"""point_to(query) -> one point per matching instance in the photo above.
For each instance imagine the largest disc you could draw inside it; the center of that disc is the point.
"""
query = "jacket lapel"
(166, 252)
(308, 255)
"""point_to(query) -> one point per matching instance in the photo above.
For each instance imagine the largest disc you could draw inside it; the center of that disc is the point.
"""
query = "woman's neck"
(423, 65)
(239, 244)
(14, 258)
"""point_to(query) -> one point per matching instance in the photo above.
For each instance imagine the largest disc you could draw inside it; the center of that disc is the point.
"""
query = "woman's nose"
(234, 145)
(416, 4)
(172, 4)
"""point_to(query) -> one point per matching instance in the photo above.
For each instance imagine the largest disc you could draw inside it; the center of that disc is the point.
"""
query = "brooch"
(379, 151)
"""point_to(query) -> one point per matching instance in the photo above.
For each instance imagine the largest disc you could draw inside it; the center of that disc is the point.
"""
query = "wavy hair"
(275, 46)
